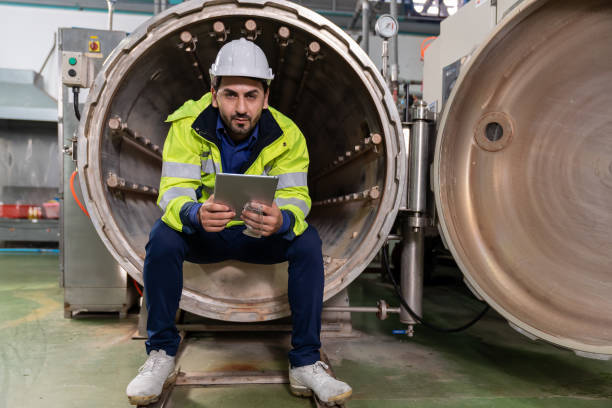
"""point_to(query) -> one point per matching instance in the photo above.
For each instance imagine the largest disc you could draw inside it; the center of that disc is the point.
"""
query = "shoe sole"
(149, 399)
(302, 391)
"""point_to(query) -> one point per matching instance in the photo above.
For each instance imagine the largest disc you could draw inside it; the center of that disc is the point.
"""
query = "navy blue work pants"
(163, 280)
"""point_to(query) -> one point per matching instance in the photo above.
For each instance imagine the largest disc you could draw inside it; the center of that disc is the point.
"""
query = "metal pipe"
(394, 52)
(413, 252)
(412, 261)
(196, 327)
(359, 309)
(156, 7)
(385, 61)
(111, 9)
(418, 160)
(365, 25)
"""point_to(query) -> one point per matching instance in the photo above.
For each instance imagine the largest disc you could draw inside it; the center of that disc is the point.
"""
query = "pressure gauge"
(386, 26)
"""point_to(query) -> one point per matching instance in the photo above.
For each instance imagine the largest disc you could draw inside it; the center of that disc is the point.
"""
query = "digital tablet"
(235, 190)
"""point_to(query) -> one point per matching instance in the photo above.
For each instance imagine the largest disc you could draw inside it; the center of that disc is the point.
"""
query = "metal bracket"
(71, 150)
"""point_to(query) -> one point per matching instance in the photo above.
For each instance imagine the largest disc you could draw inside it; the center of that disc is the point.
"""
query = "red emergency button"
(94, 44)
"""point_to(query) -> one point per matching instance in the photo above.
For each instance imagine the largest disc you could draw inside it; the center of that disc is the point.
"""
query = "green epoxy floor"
(49, 361)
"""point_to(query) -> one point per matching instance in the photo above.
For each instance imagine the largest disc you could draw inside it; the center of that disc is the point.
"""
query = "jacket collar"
(269, 130)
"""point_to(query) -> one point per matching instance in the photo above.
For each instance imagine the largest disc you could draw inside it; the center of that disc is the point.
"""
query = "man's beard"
(241, 130)
(236, 132)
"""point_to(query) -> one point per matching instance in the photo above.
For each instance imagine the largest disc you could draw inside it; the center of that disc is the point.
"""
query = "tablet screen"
(235, 190)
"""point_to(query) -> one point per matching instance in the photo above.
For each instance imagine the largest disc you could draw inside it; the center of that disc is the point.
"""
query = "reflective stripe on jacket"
(191, 160)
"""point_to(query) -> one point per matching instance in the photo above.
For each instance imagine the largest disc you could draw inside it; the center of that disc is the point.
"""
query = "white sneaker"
(313, 378)
(156, 374)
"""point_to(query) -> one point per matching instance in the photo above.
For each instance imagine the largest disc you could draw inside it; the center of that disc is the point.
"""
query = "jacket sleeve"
(291, 167)
(181, 175)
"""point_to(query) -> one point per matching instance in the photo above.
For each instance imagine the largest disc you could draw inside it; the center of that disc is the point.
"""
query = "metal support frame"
(336, 323)
(204, 379)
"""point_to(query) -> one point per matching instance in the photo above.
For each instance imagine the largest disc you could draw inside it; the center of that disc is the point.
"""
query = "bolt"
(186, 37)
(114, 123)
(283, 33)
(374, 193)
(376, 138)
(219, 27)
(314, 48)
(250, 25)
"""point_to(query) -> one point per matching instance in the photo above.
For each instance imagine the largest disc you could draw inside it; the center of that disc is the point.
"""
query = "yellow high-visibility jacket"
(191, 160)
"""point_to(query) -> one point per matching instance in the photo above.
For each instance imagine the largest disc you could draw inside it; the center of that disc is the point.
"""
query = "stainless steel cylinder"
(393, 45)
(523, 172)
(365, 25)
(343, 103)
(412, 264)
(418, 172)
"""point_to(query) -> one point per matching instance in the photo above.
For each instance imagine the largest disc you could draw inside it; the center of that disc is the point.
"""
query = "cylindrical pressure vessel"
(523, 172)
(323, 81)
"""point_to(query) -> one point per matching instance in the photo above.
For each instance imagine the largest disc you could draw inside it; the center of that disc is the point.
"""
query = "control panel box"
(75, 69)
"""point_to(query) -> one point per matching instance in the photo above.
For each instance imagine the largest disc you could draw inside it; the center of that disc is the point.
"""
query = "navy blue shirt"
(233, 157)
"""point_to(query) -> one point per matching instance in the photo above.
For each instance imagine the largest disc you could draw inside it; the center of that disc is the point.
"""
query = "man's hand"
(214, 216)
(268, 222)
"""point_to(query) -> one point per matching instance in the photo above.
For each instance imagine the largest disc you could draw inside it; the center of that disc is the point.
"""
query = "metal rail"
(117, 183)
(370, 144)
(144, 144)
(369, 194)
(189, 43)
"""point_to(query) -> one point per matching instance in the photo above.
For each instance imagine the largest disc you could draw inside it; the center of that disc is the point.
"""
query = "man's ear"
(267, 94)
(213, 101)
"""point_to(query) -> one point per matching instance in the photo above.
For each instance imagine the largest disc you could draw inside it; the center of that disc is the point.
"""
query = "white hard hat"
(241, 58)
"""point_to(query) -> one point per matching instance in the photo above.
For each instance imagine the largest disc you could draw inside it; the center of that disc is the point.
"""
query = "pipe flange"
(420, 111)
(419, 222)
(494, 131)
(383, 308)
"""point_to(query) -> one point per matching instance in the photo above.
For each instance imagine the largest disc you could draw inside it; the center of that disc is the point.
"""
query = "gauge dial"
(386, 26)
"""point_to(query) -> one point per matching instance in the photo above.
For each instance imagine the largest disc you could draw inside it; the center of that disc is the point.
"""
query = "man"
(232, 130)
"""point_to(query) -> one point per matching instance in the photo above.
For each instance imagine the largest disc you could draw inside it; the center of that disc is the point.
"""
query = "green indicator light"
(72, 61)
